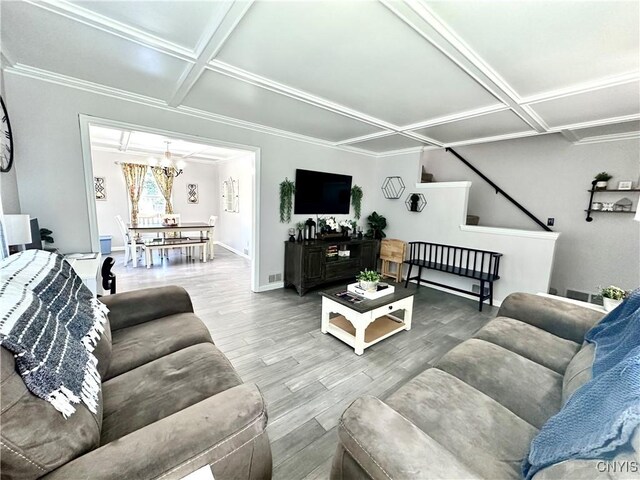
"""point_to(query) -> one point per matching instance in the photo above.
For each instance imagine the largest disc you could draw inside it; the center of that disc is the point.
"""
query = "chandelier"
(167, 164)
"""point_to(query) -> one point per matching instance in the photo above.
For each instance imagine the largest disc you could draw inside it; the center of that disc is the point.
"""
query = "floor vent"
(276, 277)
(475, 288)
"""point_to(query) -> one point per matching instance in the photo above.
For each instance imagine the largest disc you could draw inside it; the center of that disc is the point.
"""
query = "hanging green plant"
(287, 190)
(356, 200)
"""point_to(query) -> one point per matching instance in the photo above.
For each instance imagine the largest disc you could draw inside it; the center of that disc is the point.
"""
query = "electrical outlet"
(550, 221)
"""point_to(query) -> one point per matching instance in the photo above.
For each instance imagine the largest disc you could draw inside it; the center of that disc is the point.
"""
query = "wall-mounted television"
(321, 193)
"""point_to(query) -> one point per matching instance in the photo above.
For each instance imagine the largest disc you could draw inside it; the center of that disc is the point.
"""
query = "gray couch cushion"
(35, 437)
(386, 445)
(102, 352)
(490, 439)
(142, 343)
(163, 387)
(579, 371)
(528, 389)
(530, 342)
(225, 431)
(555, 316)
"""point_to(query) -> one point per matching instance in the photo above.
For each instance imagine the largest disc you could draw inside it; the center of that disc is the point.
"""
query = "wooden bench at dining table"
(205, 229)
(164, 243)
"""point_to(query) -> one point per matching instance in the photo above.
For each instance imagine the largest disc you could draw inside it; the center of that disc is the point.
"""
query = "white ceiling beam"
(219, 32)
(79, 14)
(418, 16)
(259, 81)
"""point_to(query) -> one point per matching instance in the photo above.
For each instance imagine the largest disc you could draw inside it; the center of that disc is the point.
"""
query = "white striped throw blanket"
(51, 322)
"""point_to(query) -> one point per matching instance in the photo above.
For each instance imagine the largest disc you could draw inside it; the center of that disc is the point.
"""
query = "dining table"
(135, 230)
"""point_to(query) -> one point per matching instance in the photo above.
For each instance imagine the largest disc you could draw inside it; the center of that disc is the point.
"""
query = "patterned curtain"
(165, 183)
(134, 177)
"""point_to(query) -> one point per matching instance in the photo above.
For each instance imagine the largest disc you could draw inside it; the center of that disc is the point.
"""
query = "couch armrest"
(226, 431)
(140, 306)
(384, 445)
(563, 319)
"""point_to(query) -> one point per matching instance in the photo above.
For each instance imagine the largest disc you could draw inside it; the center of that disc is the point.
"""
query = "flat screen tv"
(321, 193)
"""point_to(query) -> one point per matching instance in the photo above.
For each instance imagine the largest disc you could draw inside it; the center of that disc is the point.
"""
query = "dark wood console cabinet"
(306, 264)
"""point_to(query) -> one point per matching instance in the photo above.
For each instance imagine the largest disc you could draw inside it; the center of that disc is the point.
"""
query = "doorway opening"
(196, 181)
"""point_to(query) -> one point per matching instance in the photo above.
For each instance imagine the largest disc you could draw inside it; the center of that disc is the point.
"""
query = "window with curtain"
(151, 200)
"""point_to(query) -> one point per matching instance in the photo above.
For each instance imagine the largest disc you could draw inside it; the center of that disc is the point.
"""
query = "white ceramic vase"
(610, 303)
(369, 286)
(601, 185)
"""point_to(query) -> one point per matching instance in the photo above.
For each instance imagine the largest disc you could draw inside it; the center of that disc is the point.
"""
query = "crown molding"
(581, 88)
(80, 14)
(403, 151)
(596, 123)
(70, 82)
(614, 137)
(496, 138)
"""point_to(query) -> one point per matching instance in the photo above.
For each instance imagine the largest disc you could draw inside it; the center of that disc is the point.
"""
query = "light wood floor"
(307, 378)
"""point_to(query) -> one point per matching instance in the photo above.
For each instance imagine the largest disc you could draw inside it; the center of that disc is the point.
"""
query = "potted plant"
(345, 226)
(45, 236)
(601, 180)
(612, 296)
(287, 189)
(368, 280)
(356, 200)
(377, 224)
(415, 198)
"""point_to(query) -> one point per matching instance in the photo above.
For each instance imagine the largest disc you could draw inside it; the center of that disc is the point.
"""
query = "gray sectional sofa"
(475, 413)
(171, 403)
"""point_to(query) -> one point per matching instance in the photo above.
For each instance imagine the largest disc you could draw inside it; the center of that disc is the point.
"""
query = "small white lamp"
(18, 229)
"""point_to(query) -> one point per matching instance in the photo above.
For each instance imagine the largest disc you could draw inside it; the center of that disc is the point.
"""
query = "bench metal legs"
(406, 284)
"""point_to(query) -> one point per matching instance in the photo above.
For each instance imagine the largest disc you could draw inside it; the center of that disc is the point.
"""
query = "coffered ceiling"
(375, 77)
(150, 145)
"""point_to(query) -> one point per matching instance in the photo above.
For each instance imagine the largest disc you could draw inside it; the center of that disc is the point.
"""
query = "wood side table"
(363, 324)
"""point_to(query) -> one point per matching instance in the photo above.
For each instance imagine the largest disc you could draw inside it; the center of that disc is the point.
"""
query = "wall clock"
(6, 149)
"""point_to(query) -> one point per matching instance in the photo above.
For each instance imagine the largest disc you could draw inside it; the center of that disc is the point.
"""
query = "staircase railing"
(499, 190)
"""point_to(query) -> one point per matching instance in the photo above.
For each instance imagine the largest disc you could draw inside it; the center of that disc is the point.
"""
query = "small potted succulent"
(601, 180)
(612, 296)
(368, 280)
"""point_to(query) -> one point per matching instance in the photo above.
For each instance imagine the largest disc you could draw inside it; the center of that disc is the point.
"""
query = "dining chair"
(213, 219)
(126, 238)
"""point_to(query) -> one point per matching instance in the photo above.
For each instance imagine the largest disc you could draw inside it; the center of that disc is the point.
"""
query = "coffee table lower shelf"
(377, 330)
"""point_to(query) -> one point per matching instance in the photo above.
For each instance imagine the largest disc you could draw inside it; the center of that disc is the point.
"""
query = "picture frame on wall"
(625, 185)
(99, 186)
(192, 193)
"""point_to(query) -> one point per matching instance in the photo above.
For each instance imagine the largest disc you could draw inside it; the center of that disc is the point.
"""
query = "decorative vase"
(369, 286)
(610, 303)
(299, 235)
(602, 185)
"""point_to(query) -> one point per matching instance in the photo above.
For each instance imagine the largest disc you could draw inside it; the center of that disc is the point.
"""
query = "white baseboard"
(496, 303)
(232, 250)
(269, 287)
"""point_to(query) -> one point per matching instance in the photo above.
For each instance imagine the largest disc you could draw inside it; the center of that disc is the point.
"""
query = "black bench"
(481, 265)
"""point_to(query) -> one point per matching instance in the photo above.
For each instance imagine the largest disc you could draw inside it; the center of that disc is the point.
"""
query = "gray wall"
(8, 182)
(50, 168)
(550, 177)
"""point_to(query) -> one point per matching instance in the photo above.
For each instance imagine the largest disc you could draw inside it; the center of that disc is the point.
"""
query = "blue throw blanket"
(51, 322)
(600, 418)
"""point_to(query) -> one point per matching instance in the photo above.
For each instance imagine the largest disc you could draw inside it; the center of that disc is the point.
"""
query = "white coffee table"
(361, 325)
